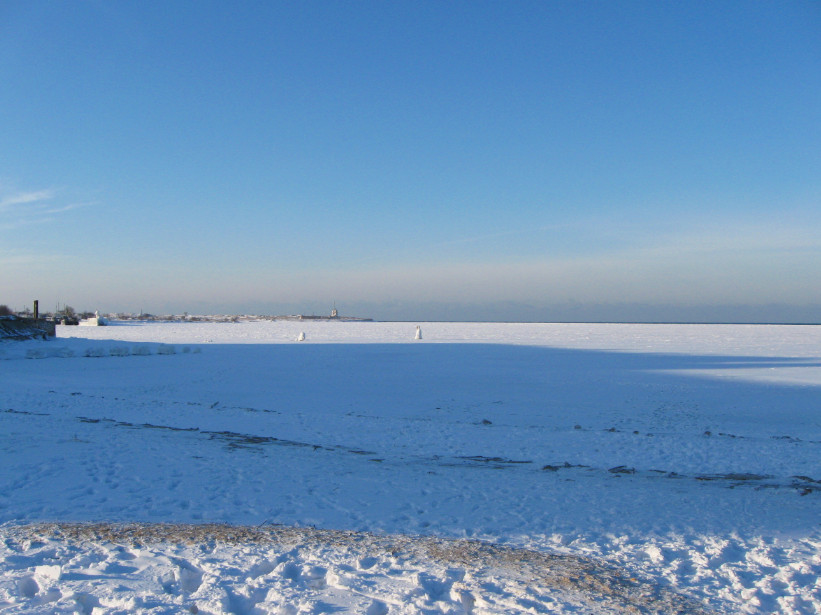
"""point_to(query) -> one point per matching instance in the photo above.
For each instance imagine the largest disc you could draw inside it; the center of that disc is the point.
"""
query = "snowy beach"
(486, 468)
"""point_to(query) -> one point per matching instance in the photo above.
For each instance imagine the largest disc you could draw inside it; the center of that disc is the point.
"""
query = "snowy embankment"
(616, 468)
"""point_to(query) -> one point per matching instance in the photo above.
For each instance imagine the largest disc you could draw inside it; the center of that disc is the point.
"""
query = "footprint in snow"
(260, 569)
(28, 587)
(189, 577)
(86, 603)
(366, 563)
(377, 607)
(434, 589)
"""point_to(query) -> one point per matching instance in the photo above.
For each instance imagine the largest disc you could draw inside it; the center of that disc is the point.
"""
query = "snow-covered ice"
(486, 468)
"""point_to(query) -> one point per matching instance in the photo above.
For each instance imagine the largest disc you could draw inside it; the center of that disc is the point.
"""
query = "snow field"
(207, 569)
(683, 456)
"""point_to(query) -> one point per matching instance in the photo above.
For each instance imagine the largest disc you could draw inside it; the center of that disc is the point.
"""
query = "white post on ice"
(418, 333)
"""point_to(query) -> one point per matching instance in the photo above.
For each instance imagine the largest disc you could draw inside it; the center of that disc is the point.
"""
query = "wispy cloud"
(739, 238)
(500, 235)
(25, 198)
(412, 251)
(72, 206)
(26, 208)
(28, 260)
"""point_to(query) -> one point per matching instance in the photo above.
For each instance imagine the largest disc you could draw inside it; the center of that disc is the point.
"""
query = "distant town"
(67, 315)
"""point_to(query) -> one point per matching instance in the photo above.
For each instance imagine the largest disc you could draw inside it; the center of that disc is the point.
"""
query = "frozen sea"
(486, 468)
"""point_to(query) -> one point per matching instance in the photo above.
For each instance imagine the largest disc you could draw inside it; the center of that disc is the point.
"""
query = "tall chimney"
(36, 309)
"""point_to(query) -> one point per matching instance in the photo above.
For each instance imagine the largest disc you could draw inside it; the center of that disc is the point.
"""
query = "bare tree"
(5, 311)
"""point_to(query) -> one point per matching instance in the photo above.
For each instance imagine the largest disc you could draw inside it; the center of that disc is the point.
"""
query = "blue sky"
(413, 160)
